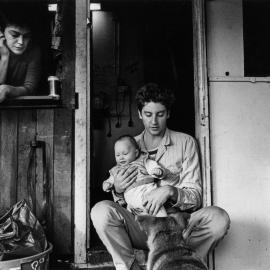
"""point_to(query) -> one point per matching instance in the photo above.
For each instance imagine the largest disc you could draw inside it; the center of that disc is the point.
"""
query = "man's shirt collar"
(166, 141)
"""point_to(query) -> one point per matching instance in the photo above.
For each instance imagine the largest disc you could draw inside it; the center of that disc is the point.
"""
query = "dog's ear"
(181, 219)
(145, 222)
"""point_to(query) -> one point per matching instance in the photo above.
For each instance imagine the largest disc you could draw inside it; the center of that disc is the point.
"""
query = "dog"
(167, 249)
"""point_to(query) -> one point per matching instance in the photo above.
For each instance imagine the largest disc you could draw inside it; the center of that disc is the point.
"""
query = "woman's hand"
(4, 90)
(4, 59)
(156, 198)
(4, 51)
(124, 178)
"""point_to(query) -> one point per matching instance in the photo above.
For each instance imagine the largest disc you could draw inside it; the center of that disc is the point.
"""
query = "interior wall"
(239, 117)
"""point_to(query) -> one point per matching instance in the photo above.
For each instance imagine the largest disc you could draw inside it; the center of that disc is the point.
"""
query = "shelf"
(31, 102)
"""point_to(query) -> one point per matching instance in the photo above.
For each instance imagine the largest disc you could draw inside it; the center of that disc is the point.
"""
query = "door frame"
(82, 124)
(201, 100)
(81, 133)
(201, 94)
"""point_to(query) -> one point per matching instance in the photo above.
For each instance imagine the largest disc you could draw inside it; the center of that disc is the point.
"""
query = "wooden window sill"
(31, 102)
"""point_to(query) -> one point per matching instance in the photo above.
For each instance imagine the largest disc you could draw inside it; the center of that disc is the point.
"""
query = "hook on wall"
(123, 94)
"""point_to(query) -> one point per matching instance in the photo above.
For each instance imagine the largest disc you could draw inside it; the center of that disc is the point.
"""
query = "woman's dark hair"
(130, 138)
(153, 92)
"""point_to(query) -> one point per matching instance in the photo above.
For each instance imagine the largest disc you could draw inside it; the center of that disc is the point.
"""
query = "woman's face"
(17, 38)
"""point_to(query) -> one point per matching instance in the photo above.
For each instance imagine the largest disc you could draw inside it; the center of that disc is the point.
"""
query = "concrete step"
(101, 259)
(97, 259)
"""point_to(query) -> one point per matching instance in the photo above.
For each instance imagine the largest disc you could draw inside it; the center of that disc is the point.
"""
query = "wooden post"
(8, 158)
(81, 135)
(201, 95)
(201, 102)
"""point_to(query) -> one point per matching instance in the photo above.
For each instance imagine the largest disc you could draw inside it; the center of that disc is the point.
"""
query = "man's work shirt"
(178, 153)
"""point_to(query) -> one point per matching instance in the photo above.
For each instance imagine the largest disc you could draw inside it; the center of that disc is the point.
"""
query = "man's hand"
(156, 198)
(4, 51)
(4, 90)
(124, 178)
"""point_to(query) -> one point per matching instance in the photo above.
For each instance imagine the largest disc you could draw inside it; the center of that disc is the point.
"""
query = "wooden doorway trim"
(201, 96)
(82, 134)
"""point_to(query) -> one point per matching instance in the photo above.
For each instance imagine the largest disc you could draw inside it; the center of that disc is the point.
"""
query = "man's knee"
(220, 221)
(101, 213)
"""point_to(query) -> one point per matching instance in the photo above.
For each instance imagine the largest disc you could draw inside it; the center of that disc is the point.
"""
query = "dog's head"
(173, 222)
(165, 237)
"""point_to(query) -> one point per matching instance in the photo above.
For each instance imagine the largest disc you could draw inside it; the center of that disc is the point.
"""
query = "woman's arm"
(31, 80)
(11, 91)
(3, 70)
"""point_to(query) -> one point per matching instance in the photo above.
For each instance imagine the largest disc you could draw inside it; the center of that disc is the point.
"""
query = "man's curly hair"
(153, 92)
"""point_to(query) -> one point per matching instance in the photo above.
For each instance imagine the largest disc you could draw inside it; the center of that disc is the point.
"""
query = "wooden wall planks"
(54, 127)
(62, 206)
(45, 129)
(8, 158)
(26, 133)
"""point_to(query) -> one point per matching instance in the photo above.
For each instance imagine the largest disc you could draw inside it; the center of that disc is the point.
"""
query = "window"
(44, 55)
(256, 26)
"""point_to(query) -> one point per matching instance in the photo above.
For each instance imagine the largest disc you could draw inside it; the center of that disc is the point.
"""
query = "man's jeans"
(120, 233)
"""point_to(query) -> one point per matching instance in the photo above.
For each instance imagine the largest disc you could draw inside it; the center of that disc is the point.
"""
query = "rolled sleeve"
(189, 187)
(187, 199)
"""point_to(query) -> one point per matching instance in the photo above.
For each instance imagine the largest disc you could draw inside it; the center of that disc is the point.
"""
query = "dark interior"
(165, 32)
(256, 39)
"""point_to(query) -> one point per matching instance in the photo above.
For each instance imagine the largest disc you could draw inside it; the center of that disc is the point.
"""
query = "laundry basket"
(36, 262)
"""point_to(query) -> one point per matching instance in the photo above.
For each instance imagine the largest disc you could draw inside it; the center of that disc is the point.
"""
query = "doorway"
(133, 44)
(128, 61)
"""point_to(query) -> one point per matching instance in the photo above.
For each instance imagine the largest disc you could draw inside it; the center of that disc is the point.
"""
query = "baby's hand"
(157, 172)
(107, 186)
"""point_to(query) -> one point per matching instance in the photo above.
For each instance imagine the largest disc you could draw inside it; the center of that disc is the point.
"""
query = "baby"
(127, 154)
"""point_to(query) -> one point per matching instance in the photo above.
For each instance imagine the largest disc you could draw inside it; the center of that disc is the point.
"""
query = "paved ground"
(99, 259)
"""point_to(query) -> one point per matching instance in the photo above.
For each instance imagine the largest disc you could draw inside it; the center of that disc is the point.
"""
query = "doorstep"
(101, 259)
(98, 259)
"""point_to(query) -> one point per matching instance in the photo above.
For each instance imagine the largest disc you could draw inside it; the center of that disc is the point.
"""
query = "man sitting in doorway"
(177, 152)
